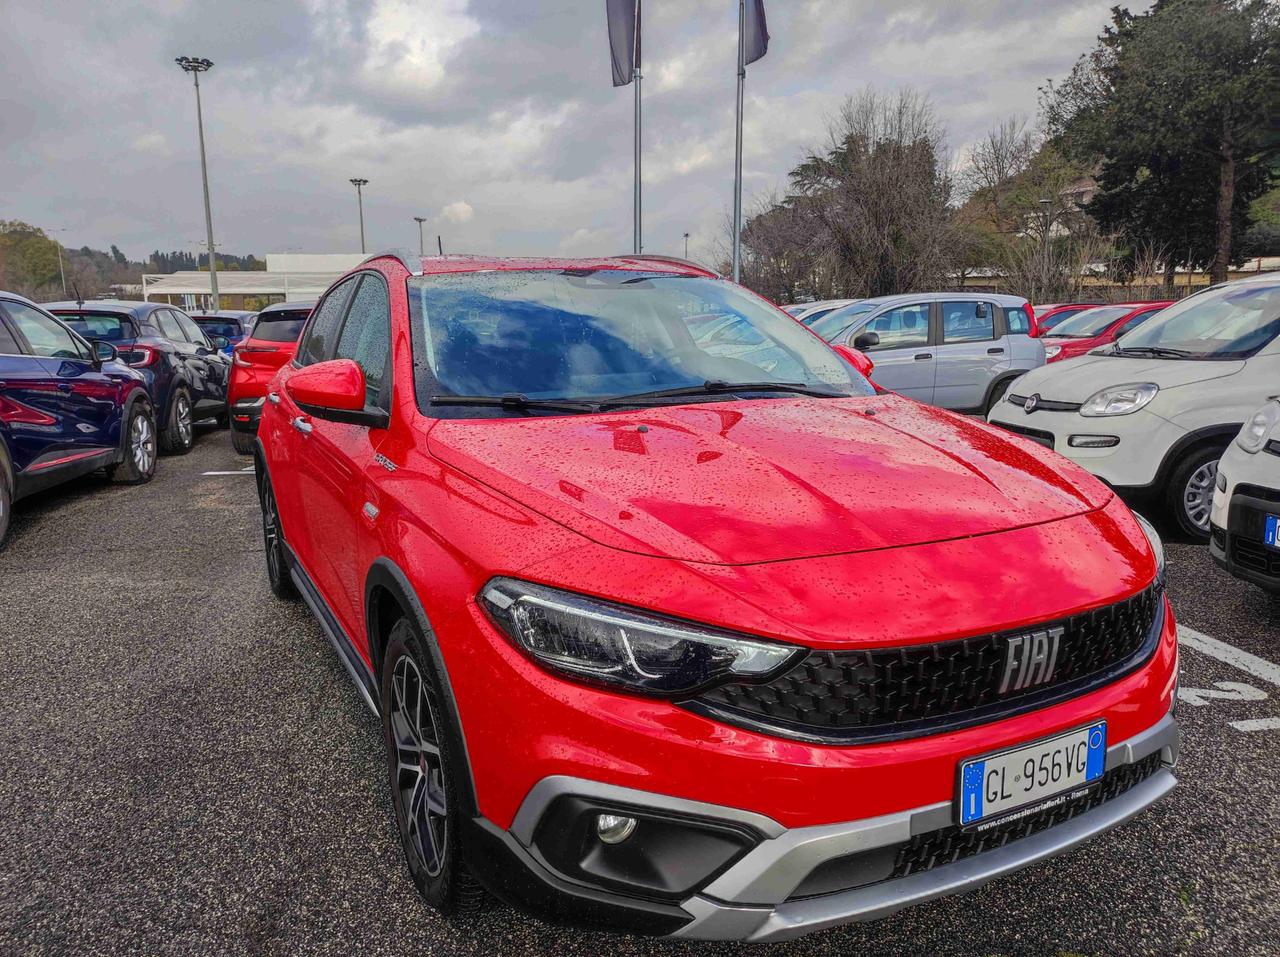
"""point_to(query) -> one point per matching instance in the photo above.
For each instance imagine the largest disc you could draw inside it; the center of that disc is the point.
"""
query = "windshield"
(1090, 322)
(283, 325)
(220, 327)
(834, 323)
(1051, 322)
(99, 325)
(597, 334)
(1232, 322)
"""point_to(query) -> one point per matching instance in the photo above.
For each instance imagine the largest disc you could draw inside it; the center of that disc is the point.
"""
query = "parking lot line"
(1257, 724)
(1260, 668)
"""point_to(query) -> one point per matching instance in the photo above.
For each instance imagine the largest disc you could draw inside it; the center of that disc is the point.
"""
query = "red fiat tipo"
(679, 626)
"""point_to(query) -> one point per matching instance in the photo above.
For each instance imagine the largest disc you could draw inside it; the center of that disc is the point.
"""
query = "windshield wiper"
(515, 402)
(1158, 352)
(718, 387)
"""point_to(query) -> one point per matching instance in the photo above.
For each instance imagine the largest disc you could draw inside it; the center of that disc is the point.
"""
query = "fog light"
(614, 828)
(1093, 441)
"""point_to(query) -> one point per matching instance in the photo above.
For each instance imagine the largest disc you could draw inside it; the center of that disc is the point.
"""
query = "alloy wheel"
(1197, 496)
(419, 770)
(183, 411)
(271, 532)
(142, 443)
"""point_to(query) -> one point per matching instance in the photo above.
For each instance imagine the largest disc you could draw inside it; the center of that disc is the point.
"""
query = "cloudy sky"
(493, 118)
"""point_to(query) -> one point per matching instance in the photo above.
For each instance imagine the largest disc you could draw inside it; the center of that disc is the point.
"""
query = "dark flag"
(624, 38)
(756, 39)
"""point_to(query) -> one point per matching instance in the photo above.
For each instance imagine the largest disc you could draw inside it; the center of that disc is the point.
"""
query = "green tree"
(1181, 105)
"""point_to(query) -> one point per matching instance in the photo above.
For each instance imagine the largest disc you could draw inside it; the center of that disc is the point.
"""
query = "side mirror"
(335, 391)
(104, 351)
(219, 342)
(859, 360)
(867, 340)
(982, 310)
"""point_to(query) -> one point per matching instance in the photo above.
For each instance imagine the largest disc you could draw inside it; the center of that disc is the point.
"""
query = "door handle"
(995, 352)
(273, 398)
(302, 425)
(922, 356)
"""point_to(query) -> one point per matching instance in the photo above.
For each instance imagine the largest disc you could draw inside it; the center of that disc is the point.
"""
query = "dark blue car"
(231, 324)
(186, 370)
(67, 407)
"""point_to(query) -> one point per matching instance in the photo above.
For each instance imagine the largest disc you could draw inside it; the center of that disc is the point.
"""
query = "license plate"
(1033, 776)
(1273, 532)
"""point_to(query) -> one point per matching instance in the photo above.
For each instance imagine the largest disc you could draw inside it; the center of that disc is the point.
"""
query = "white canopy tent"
(291, 285)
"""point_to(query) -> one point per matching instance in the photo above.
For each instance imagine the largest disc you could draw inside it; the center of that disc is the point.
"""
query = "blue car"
(231, 324)
(67, 407)
(186, 370)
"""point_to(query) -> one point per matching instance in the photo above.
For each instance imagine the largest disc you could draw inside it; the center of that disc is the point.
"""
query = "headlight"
(1253, 436)
(599, 641)
(1157, 546)
(1120, 399)
(1051, 351)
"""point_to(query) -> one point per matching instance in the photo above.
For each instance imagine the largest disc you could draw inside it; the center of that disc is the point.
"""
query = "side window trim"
(14, 333)
(388, 373)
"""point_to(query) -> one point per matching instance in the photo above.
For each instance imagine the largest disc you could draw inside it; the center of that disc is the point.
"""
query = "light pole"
(359, 184)
(686, 245)
(195, 66)
(422, 249)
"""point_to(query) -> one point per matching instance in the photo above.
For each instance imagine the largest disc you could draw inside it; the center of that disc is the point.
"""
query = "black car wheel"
(242, 442)
(278, 576)
(1190, 491)
(179, 435)
(140, 446)
(420, 753)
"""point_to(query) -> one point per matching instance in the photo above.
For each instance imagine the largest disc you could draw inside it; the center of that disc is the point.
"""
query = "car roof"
(440, 265)
(222, 314)
(116, 306)
(294, 306)
(999, 298)
(19, 298)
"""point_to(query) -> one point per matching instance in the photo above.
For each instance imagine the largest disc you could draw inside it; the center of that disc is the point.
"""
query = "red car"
(270, 344)
(702, 638)
(1049, 316)
(1091, 328)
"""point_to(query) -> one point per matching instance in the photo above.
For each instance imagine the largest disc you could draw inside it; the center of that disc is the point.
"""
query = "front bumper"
(1133, 462)
(793, 881)
(1238, 516)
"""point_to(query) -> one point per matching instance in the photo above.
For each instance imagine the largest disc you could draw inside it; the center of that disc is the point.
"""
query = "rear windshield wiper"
(718, 387)
(515, 402)
(1158, 352)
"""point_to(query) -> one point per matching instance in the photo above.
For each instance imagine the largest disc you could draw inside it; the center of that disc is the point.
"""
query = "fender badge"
(385, 462)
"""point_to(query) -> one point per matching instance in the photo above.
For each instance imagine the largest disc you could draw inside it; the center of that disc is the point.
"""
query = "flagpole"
(737, 154)
(636, 76)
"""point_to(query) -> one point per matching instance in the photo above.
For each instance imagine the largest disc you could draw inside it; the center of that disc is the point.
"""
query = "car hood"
(770, 479)
(1075, 380)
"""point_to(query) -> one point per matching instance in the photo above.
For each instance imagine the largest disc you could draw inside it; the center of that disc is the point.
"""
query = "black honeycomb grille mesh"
(924, 852)
(918, 689)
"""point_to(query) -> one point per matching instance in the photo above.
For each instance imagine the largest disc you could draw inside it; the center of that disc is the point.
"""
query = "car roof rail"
(403, 255)
(659, 258)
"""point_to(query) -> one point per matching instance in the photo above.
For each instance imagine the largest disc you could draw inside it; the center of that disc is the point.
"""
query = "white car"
(1155, 411)
(813, 311)
(1246, 503)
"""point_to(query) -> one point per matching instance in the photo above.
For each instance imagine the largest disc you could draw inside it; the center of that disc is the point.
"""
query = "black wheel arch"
(7, 475)
(389, 596)
(1005, 378)
(1211, 435)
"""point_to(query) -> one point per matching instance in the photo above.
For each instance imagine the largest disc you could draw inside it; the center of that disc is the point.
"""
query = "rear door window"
(967, 321)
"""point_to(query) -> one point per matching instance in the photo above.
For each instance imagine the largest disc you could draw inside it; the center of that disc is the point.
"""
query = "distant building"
(287, 276)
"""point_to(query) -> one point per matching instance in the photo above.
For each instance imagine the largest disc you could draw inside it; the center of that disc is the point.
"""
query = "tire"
(997, 393)
(138, 467)
(6, 507)
(242, 442)
(278, 577)
(180, 434)
(223, 420)
(1189, 492)
(421, 751)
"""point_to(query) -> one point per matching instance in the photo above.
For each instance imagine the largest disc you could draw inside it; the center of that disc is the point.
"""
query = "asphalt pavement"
(186, 768)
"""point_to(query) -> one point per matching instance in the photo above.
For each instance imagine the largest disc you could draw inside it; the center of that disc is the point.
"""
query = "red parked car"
(270, 344)
(1091, 328)
(1049, 316)
(703, 638)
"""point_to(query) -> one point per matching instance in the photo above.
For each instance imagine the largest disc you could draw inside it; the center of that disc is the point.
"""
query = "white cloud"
(153, 142)
(459, 212)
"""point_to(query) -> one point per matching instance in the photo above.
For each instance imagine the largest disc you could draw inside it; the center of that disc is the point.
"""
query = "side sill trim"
(347, 653)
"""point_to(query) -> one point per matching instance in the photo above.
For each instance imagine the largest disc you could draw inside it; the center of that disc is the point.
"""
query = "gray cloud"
(502, 105)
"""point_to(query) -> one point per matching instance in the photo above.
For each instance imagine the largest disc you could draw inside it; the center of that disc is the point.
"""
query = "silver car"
(957, 350)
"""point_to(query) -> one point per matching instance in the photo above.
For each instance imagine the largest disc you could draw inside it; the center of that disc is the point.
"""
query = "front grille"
(1035, 435)
(924, 852)
(1044, 405)
(1255, 556)
(888, 693)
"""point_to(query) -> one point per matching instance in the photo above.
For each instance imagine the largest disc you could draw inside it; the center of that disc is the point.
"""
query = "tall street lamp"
(195, 66)
(359, 184)
(422, 249)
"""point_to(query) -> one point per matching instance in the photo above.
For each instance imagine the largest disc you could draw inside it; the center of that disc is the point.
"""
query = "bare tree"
(993, 166)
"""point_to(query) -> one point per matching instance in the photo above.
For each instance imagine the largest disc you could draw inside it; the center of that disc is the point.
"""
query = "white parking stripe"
(1257, 724)
(1260, 668)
